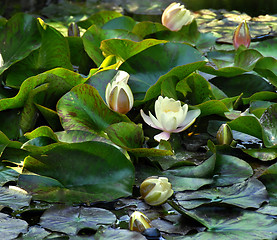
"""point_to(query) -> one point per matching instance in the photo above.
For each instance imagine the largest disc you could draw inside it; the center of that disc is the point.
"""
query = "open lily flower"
(175, 16)
(171, 117)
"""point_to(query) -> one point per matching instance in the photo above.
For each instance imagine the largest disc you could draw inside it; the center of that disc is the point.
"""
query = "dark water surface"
(251, 7)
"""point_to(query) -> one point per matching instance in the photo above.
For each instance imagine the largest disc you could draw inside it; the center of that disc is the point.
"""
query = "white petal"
(181, 115)
(147, 119)
(168, 121)
(191, 116)
(155, 121)
(162, 136)
(158, 109)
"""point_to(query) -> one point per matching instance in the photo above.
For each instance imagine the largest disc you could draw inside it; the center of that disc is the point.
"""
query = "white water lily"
(175, 16)
(171, 117)
(119, 96)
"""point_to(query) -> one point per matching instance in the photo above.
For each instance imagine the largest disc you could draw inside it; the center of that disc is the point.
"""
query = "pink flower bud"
(242, 35)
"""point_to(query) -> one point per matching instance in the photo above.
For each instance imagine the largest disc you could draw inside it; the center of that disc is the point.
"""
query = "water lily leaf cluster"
(74, 159)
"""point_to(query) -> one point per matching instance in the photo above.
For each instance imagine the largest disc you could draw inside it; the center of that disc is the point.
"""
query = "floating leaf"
(10, 228)
(13, 198)
(229, 224)
(93, 37)
(53, 53)
(269, 126)
(71, 220)
(248, 194)
(83, 109)
(79, 172)
(28, 39)
(247, 124)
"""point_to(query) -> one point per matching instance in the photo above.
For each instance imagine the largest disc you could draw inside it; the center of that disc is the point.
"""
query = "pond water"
(252, 8)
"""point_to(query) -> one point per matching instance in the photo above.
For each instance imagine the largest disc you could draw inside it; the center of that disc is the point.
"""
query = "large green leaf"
(124, 49)
(10, 227)
(247, 124)
(230, 224)
(126, 135)
(123, 22)
(196, 89)
(83, 109)
(248, 194)
(175, 59)
(79, 172)
(58, 81)
(248, 84)
(71, 220)
(269, 179)
(19, 37)
(267, 67)
(230, 170)
(269, 126)
(53, 53)
(93, 37)
(14, 198)
(99, 19)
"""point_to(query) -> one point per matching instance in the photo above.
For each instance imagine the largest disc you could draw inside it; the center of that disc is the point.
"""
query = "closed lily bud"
(242, 35)
(119, 96)
(73, 30)
(155, 190)
(139, 222)
(224, 135)
(175, 16)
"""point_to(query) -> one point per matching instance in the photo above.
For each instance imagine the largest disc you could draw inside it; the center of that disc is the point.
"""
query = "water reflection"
(252, 8)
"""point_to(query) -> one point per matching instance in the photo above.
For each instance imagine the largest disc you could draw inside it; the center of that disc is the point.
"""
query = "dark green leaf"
(19, 37)
(71, 220)
(79, 172)
(83, 109)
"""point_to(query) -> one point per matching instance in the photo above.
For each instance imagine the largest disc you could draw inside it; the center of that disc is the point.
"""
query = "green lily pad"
(212, 107)
(83, 109)
(269, 126)
(124, 49)
(248, 84)
(113, 234)
(10, 228)
(230, 170)
(28, 39)
(263, 154)
(175, 59)
(13, 198)
(123, 22)
(79, 172)
(269, 180)
(247, 124)
(94, 35)
(267, 67)
(58, 81)
(53, 53)
(71, 220)
(73, 136)
(196, 89)
(248, 194)
(99, 19)
(226, 223)
(126, 135)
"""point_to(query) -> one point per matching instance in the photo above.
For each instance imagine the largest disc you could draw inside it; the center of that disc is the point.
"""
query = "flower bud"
(155, 190)
(224, 135)
(73, 30)
(242, 35)
(119, 96)
(139, 222)
(175, 16)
